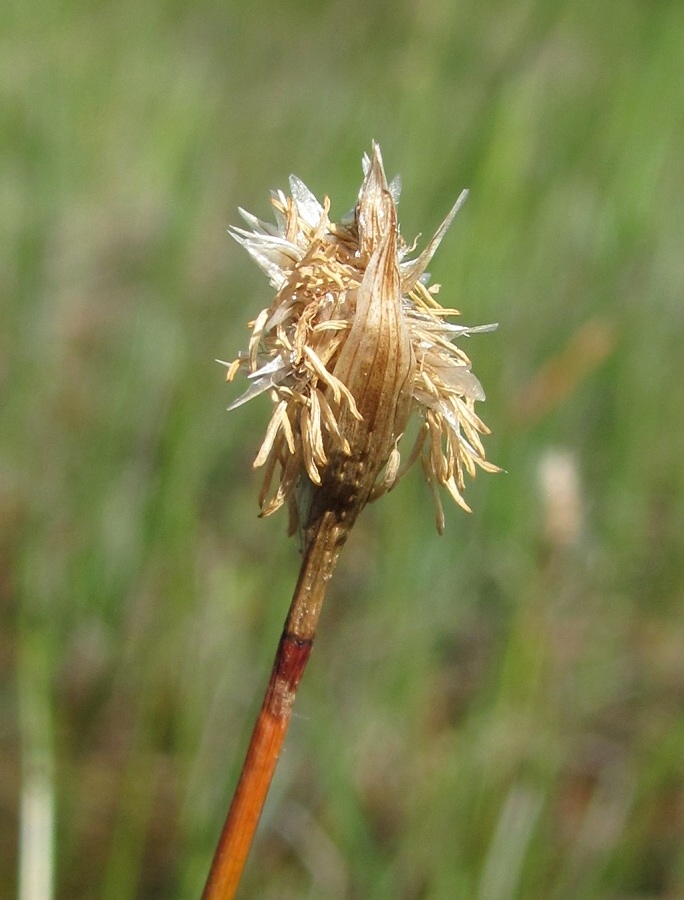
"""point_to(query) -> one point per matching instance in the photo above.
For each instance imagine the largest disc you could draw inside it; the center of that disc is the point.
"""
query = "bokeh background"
(493, 714)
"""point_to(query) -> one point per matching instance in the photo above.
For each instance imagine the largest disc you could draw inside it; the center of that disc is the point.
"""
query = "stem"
(324, 543)
(37, 802)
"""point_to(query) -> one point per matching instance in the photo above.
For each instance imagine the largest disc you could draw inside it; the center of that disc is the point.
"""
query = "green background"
(497, 713)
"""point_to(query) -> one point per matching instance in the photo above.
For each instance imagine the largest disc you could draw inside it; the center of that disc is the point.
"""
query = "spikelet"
(353, 344)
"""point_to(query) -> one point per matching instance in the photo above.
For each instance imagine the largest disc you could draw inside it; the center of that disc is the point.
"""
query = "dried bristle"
(353, 342)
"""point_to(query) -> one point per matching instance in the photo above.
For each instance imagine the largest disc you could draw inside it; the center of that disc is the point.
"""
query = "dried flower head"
(353, 343)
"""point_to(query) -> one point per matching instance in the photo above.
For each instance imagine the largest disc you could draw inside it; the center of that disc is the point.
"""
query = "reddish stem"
(295, 644)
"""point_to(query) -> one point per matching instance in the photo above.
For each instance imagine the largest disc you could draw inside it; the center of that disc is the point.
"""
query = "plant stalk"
(324, 542)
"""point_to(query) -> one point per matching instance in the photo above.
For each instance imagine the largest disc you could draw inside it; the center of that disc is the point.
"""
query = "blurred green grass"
(494, 714)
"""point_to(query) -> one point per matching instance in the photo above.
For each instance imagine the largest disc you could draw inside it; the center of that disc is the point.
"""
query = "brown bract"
(353, 343)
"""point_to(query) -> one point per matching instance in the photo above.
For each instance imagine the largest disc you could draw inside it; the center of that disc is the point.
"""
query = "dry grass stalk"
(352, 345)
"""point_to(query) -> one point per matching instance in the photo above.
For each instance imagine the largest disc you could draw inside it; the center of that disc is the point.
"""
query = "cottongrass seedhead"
(353, 344)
